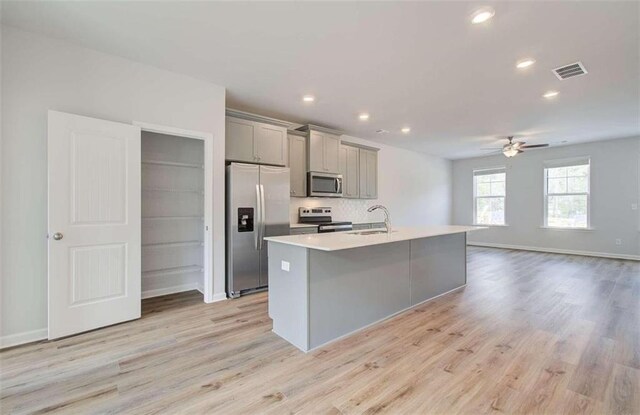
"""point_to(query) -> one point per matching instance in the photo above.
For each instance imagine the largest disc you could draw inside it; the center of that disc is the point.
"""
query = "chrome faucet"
(387, 219)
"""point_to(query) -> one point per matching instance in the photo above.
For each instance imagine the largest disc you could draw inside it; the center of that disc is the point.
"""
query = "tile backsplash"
(354, 210)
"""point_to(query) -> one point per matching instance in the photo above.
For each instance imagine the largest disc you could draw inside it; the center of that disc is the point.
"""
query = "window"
(566, 188)
(489, 187)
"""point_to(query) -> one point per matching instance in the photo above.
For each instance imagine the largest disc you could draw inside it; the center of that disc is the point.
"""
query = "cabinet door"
(349, 168)
(240, 135)
(368, 174)
(316, 151)
(271, 144)
(298, 165)
(331, 146)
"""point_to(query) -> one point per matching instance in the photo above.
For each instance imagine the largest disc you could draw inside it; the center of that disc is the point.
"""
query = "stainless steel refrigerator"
(257, 206)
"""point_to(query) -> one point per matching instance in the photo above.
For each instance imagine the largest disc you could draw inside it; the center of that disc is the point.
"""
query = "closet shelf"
(172, 271)
(173, 244)
(171, 217)
(174, 163)
(160, 189)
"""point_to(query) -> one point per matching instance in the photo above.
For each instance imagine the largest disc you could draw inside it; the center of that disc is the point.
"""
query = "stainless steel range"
(322, 217)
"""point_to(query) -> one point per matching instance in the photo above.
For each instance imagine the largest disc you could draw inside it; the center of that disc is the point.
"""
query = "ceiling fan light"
(510, 151)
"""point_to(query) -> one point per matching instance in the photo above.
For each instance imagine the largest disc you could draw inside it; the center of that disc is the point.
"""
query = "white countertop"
(335, 241)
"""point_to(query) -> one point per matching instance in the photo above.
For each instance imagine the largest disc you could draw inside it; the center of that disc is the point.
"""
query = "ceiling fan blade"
(492, 148)
(535, 146)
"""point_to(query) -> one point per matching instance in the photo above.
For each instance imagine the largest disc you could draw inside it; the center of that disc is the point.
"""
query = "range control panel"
(308, 212)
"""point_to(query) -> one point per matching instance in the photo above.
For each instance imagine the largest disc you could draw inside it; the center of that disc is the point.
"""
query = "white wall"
(39, 74)
(416, 187)
(614, 189)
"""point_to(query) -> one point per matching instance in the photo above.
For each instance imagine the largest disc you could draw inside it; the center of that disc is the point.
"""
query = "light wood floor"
(531, 333)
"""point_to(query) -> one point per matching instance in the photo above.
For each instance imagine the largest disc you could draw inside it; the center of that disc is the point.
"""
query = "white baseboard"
(170, 290)
(218, 297)
(556, 251)
(22, 338)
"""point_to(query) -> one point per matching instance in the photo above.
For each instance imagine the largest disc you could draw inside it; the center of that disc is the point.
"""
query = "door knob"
(57, 236)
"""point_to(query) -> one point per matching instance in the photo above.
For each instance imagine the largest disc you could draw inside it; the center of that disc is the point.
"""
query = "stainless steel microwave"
(324, 184)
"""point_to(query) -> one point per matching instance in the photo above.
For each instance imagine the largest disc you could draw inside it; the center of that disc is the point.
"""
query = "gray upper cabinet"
(350, 170)
(271, 143)
(298, 164)
(255, 142)
(323, 150)
(331, 149)
(240, 137)
(368, 174)
(316, 151)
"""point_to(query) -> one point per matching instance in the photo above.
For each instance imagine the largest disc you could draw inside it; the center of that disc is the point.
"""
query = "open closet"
(172, 214)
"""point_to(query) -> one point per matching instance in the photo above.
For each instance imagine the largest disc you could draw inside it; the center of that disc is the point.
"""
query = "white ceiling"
(406, 63)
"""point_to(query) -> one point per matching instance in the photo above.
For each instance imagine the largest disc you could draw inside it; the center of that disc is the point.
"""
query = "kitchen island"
(323, 287)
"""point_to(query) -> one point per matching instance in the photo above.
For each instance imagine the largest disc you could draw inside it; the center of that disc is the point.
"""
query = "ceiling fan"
(513, 148)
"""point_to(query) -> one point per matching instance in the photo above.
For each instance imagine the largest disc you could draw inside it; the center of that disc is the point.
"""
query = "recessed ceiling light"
(525, 63)
(550, 94)
(363, 116)
(308, 98)
(406, 130)
(482, 15)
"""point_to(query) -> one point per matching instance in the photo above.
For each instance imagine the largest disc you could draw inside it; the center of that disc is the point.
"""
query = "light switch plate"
(284, 265)
(634, 206)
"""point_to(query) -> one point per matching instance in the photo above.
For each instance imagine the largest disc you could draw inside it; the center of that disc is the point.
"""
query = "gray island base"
(323, 287)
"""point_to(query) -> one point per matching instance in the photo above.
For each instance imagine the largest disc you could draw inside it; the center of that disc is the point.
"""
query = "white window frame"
(574, 161)
(487, 171)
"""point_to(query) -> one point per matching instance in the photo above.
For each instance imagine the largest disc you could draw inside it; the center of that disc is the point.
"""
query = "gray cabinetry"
(323, 152)
(374, 225)
(240, 137)
(271, 144)
(323, 149)
(255, 142)
(331, 148)
(303, 231)
(316, 151)
(350, 170)
(368, 174)
(298, 163)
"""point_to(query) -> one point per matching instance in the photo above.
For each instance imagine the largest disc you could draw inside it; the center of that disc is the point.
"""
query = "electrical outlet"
(285, 266)
(618, 241)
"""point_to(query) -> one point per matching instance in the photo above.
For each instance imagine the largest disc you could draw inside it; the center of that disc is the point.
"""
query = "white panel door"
(94, 223)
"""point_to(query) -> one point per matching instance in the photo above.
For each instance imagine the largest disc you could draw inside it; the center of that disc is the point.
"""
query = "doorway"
(172, 214)
(177, 211)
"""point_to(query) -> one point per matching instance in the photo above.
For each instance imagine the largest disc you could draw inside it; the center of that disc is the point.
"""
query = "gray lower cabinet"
(323, 152)
(298, 164)
(361, 226)
(350, 170)
(255, 142)
(368, 174)
(302, 231)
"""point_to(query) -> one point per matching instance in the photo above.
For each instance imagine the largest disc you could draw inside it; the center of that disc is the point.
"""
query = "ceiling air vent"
(569, 71)
(382, 131)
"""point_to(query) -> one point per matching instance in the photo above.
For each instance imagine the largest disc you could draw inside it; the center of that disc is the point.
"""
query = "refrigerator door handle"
(263, 219)
(258, 221)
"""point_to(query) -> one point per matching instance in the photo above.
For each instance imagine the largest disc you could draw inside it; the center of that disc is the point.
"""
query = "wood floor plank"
(530, 333)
